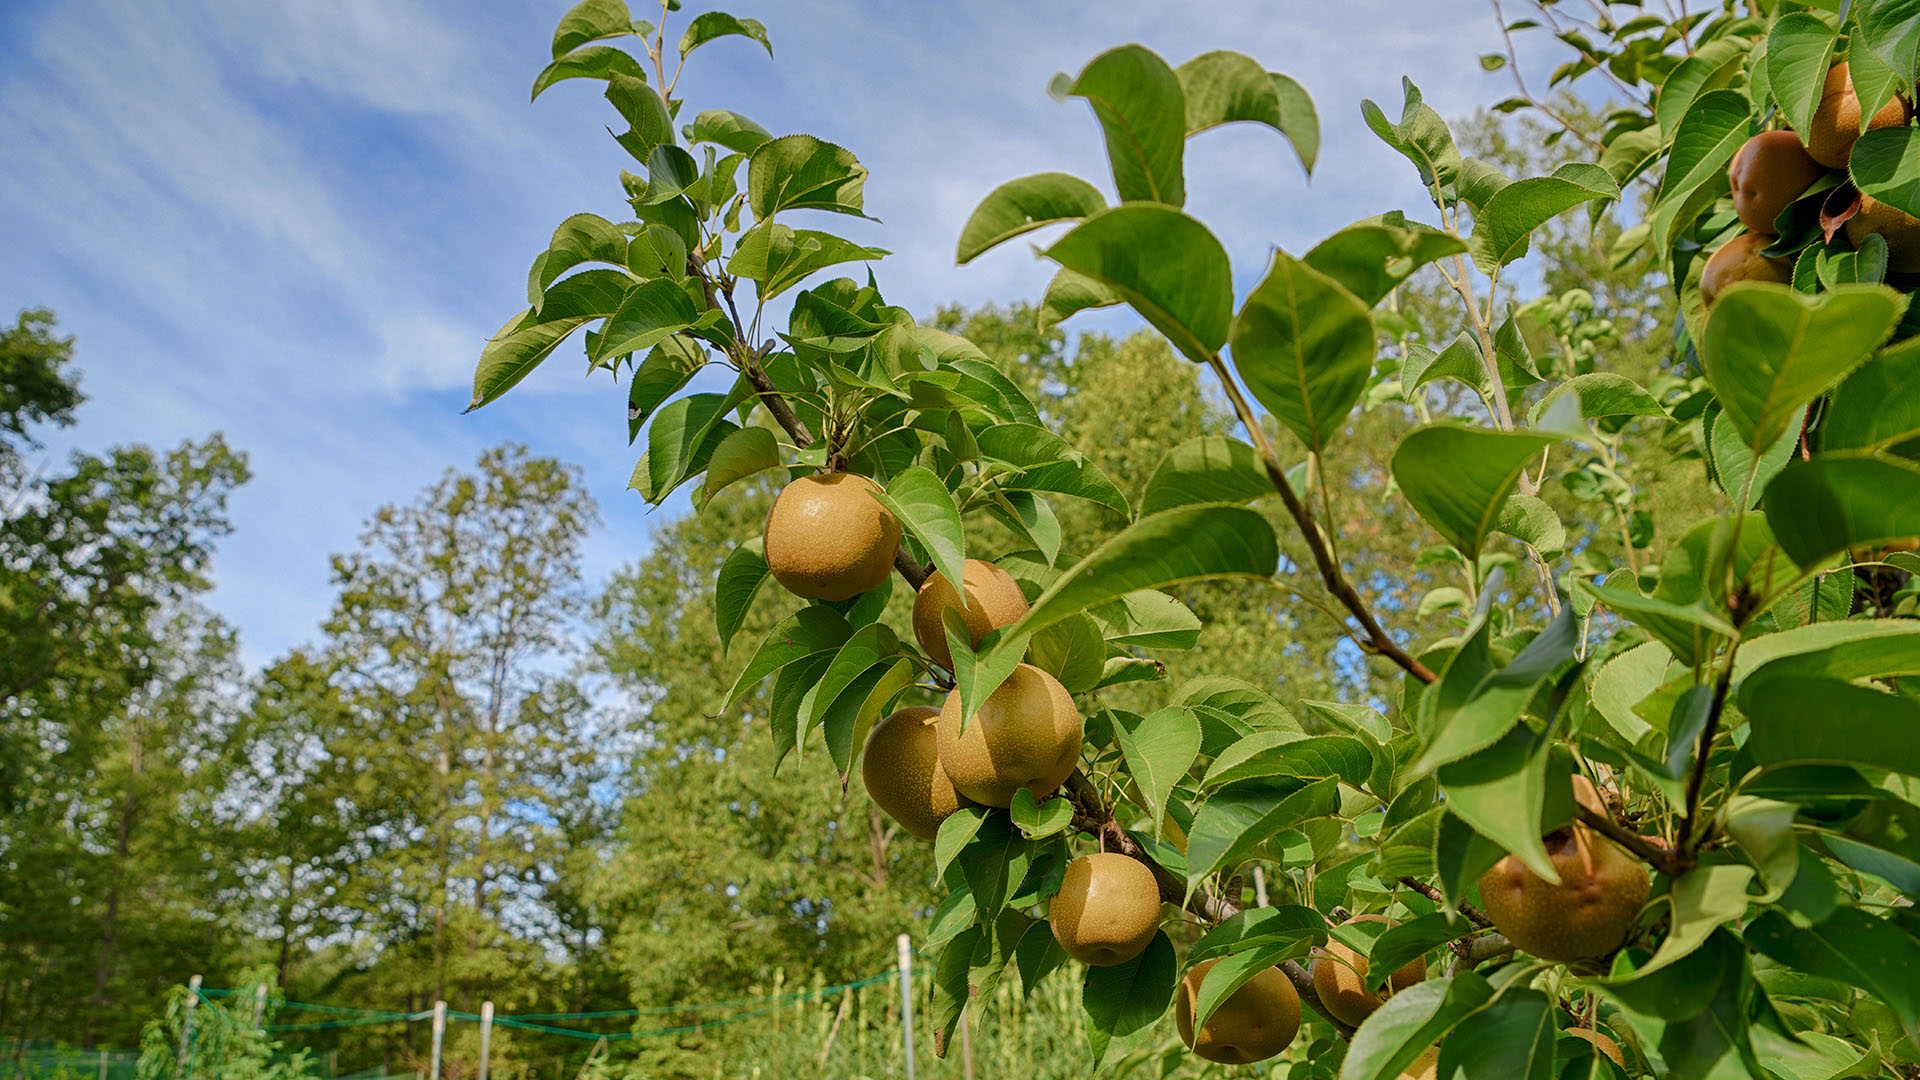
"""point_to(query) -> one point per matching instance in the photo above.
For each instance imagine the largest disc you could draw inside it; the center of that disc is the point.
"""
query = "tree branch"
(1474, 915)
(1659, 858)
(1331, 575)
(1703, 752)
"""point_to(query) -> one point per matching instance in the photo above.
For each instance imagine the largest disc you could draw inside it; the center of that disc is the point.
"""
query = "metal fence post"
(906, 998)
(439, 1036)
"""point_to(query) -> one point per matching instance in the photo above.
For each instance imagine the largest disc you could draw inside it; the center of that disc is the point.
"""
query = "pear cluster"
(1257, 1021)
(1774, 169)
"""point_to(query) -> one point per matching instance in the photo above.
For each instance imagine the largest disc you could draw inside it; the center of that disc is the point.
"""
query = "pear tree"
(1596, 819)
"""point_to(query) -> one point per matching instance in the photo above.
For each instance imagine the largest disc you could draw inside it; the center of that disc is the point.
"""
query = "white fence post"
(906, 999)
(486, 1036)
(439, 1036)
(186, 1029)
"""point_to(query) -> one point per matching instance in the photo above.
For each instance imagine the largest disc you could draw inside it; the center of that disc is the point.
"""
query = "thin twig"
(1330, 573)
(1653, 855)
(1688, 833)
(1474, 915)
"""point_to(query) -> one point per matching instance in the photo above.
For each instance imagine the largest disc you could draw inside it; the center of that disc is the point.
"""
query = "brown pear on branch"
(901, 767)
(1770, 171)
(1025, 735)
(1900, 230)
(1340, 978)
(1739, 259)
(1585, 917)
(1107, 910)
(993, 600)
(828, 538)
(1256, 1021)
(1836, 123)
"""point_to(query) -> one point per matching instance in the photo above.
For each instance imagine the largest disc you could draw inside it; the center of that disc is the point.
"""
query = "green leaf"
(1048, 463)
(1143, 112)
(1474, 704)
(1409, 1022)
(1072, 651)
(682, 438)
(1158, 752)
(867, 649)
(950, 982)
(1849, 650)
(596, 62)
(1421, 137)
(649, 315)
(728, 129)
(1501, 231)
(1147, 619)
(1854, 947)
(855, 709)
(1291, 926)
(1886, 166)
(1799, 49)
(1240, 817)
(1512, 1038)
(512, 353)
(1800, 719)
(1191, 543)
(579, 239)
(741, 576)
(1211, 468)
(665, 371)
(648, 122)
(811, 631)
(1068, 294)
(1531, 521)
(1163, 263)
(709, 25)
(1304, 345)
(977, 676)
(1712, 66)
(741, 454)
(993, 863)
(956, 832)
(1874, 408)
(1734, 467)
(1458, 478)
(1125, 999)
(1370, 258)
(800, 172)
(1501, 792)
(1040, 820)
(1226, 87)
(1770, 350)
(1402, 944)
(1703, 899)
(1710, 134)
(1285, 753)
(779, 257)
(926, 509)
(1234, 971)
(1890, 30)
(591, 20)
(1624, 682)
(1020, 206)
(1681, 990)
(1820, 508)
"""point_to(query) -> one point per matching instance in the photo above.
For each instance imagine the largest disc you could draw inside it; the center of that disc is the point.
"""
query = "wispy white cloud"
(298, 221)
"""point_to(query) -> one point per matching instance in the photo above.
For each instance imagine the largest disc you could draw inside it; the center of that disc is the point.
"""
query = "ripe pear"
(1739, 259)
(1836, 123)
(1771, 170)
(1424, 1067)
(1901, 231)
(1256, 1022)
(1107, 909)
(828, 538)
(1340, 978)
(902, 771)
(1601, 1043)
(1025, 735)
(1587, 916)
(993, 600)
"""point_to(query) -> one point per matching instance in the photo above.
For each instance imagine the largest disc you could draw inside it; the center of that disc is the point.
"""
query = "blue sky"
(297, 221)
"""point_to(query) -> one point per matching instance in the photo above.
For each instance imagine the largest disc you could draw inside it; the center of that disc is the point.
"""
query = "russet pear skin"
(828, 538)
(1107, 910)
(1340, 978)
(901, 768)
(1258, 1021)
(993, 600)
(1025, 735)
